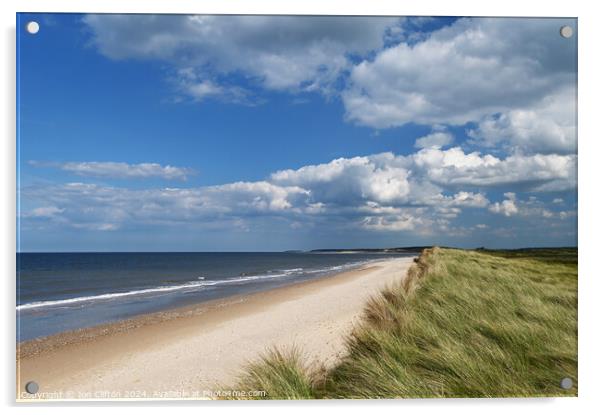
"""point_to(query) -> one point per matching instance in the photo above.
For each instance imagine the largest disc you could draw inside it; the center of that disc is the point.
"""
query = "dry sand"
(190, 351)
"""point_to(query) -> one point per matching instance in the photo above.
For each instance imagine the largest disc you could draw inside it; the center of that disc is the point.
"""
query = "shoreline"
(84, 315)
(31, 347)
(225, 334)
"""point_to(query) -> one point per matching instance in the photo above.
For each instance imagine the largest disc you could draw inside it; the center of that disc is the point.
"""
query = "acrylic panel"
(295, 207)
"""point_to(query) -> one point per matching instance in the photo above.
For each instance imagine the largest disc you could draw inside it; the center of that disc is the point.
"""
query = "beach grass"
(280, 374)
(463, 323)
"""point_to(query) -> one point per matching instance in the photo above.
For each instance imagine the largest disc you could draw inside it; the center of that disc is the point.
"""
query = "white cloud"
(117, 170)
(506, 207)
(351, 180)
(537, 172)
(96, 226)
(382, 179)
(280, 52)
(192, 84)
(202, 89)
(395, 223)
(565, 214)
(531, 208)
(253, 196)
(436, 139)
(461, 73)
(448, 212)
(45, 212)
(469, 199)
(549, 126)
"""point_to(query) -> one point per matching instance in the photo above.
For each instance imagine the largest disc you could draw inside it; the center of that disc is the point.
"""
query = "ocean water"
(64, 291)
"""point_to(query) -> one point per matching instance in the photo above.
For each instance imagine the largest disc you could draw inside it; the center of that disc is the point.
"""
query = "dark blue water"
(65, 291)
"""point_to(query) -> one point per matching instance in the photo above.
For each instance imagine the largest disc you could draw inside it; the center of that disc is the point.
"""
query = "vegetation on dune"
(280, 374)
(462, 324)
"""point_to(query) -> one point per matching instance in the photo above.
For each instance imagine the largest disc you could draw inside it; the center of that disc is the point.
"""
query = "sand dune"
(189, 352)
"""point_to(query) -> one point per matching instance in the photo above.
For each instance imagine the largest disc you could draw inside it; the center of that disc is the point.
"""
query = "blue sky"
(220, 133)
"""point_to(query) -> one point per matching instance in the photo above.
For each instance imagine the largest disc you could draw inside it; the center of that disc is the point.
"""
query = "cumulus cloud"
(279, 52)
(190, 83)
(537, 172)
(436, 139)
(382, 184)
(549, 126)
(376, 182)
(530, 208)
(117, 170)
(405, 221)
(344, 180)
(469, 199)
(461, 73)
(506, 207)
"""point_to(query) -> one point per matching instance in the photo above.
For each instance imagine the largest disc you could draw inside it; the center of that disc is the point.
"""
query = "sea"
(59, 292)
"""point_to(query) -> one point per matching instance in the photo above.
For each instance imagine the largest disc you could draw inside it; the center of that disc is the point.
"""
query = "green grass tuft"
(280, 374)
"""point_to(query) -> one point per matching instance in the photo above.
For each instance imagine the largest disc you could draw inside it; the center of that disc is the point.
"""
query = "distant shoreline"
(408, 249)
(405, 250)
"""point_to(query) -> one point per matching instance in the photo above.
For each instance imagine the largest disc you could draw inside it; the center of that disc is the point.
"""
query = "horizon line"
(297, 250)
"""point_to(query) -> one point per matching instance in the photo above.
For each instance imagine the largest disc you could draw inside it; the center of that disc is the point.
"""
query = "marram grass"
(462, 324)
(280, 374)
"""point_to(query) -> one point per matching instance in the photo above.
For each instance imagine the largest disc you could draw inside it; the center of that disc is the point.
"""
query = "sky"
(271, 133)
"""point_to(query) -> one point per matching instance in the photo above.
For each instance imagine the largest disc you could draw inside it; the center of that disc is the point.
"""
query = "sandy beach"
(193, 351)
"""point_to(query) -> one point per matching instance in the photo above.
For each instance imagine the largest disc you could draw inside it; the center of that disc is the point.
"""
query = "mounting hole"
(32, 387)
(32, 27)
(566, 383)
(566, 32)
